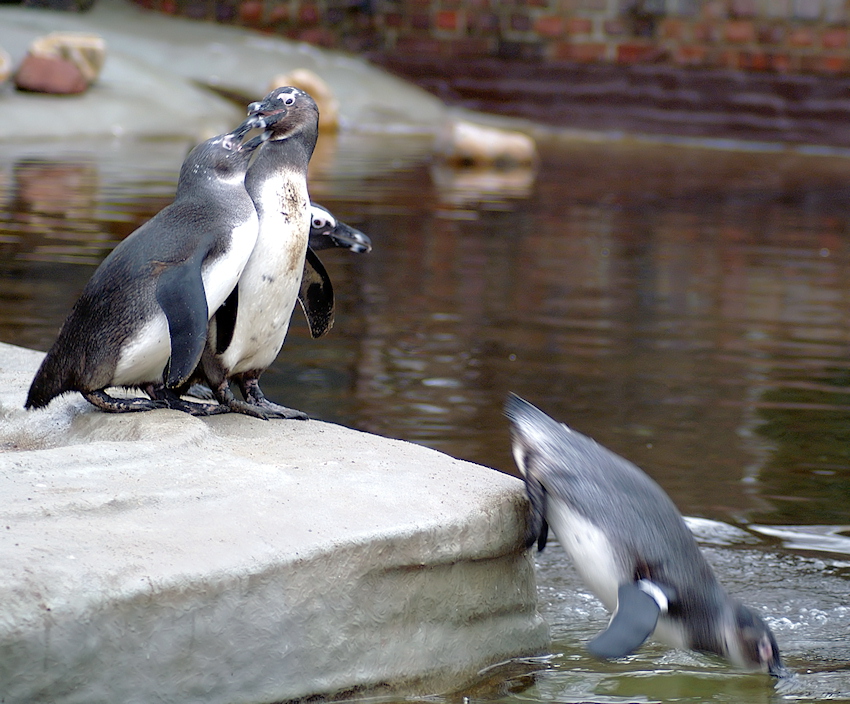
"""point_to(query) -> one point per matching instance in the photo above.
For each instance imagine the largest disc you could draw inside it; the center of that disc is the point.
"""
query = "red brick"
(251, 12)
(706, 32)
(579, 25)
(446, 19)
(690, 55)
(781, 63)
(585, 52)
(801, 36)
(308, 14)
(614, 28)
(739, 31)
(832, 64)
(713, 10)
(834, 38)
(754, 61)
(671, 29)
(632, 53)
(730, 58)
(549, 26)
(770, 34)
(520, 22)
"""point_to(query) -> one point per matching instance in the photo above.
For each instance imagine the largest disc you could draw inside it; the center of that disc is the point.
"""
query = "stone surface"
(50, 74)
(150, 85)
(160, 557)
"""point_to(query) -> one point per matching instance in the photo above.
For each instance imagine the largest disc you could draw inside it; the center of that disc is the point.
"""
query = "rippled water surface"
(688, 308)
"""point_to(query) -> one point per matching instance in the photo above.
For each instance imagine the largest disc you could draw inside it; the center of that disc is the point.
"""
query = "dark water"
(688, 308)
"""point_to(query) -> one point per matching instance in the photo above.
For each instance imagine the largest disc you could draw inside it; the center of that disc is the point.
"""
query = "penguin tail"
(50, 381)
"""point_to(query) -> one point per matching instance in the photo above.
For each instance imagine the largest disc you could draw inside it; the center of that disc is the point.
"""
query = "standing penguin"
(141, 321)
(327, 232)
(315, 294)
(631, 547)
(261, 305)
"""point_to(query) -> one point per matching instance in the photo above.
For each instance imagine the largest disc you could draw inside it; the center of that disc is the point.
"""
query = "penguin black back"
(631, 546)
(146, 273)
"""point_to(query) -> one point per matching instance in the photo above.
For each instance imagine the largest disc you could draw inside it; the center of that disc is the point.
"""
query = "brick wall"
(786, 36)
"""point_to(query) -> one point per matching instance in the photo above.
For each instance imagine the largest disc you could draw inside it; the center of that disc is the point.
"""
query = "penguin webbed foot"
(632, 623)
(256, 399)
(102, 400)
(169, 399)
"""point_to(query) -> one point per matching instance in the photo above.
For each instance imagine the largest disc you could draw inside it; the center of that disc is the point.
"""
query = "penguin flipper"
(537, 530)
(180, 293)
(632, 623)
(316, 295)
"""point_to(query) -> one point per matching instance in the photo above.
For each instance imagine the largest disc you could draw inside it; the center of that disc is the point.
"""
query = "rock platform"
(161, 557)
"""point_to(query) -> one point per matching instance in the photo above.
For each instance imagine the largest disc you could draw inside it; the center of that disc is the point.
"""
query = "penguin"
(327, 232)
(315, 293)
(631, 547)
(249, 331)
(141, 320)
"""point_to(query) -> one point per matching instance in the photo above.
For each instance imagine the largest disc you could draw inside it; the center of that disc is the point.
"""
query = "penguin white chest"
(589, 549)
(221, 275)
(269, 285)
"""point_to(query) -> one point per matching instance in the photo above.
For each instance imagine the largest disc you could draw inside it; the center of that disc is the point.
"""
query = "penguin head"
(285, 112)
(750, 643)
(327, 232)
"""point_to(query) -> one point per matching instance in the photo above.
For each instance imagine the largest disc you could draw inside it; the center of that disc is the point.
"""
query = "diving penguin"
(141, 320)
(248, 333)
(631, 547)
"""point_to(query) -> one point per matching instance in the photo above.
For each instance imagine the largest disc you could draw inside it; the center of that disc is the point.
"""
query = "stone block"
(447, 20)
(834, 38)
(801, 37)
(581, 52)
(317, 87)
(469, 144)
(690, 55)
(160, 557)
(5, 65)
(579, 25)
(549, 26)
(634, 53)
(739, 31)
(62, 63)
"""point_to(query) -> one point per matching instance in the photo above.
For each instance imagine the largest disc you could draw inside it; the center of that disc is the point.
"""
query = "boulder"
(62, 63)
(312, 83)
(161, 557)
(464, 143)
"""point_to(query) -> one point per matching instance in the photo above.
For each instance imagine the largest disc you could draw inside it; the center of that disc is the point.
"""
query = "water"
(687, 308)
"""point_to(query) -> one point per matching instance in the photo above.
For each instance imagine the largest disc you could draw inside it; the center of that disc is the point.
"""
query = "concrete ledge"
(156, 556)
(158, 71)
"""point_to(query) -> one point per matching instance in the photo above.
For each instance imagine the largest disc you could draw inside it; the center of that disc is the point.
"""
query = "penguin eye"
(319, 222)
(289, 100)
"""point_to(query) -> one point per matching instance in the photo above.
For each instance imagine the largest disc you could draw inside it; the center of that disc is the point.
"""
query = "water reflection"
(687, 308)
